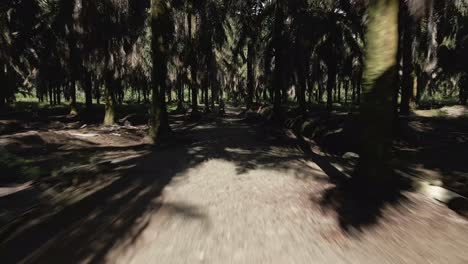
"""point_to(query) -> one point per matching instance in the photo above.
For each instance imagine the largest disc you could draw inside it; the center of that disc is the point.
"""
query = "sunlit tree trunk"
(109, 95)
(109, 100)
(377, 108)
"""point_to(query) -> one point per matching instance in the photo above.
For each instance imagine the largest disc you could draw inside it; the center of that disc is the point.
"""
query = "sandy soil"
(229, 191)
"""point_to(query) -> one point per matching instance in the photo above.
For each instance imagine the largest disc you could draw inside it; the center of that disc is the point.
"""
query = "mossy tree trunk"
(377, 94)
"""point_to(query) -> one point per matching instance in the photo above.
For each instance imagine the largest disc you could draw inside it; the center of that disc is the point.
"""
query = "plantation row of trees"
(387, 56)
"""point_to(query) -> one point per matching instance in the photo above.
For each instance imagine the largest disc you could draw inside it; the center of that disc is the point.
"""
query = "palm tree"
(160, 38)
(376, 108)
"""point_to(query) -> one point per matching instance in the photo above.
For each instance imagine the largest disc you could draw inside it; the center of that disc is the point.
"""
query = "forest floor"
(222, 190)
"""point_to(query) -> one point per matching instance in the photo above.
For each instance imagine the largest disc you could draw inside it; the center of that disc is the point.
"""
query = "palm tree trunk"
(74, 62)
(159, 25)
(250, 73)
(278, 42)
(331, 82)
(193, 65)
(109, 100)
(407, 80)
(377, 108)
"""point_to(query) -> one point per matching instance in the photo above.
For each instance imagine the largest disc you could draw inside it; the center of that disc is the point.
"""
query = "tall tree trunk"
(407, 79)
(159, 26)
(213, 83)
(431, 61)
(74, 12)
(51, 95)
(301, 97)
(338, 87)
(73, 110)
(59, 95)
(301, 62)
(88, 92)
(376, 112)
(109, 100)
(98, 93)
(358, 90)
(346, 89)
(463, 94)
(3, 91)
(278, 42)
(180, 90)
(206, 84)
(250, 72)
(169, 94)
(331, 82)
(193, 65)
(2, 99)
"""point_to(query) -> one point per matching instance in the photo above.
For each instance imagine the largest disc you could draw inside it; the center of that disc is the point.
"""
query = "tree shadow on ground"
(431, 149)
(435, 149)
(116, 214)
(356, 206)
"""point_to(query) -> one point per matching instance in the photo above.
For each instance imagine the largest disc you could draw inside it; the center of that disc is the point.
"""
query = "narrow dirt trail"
(236, 194)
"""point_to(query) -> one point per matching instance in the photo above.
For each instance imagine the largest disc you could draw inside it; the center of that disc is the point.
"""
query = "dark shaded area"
(116, 214)
(435, 149)
(357, 211)
(26, 116)
(351, 201)
(427, 148)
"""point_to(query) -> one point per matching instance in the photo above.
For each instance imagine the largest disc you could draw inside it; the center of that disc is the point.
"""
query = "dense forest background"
(382, 58)
(186, 123)
(302, 53)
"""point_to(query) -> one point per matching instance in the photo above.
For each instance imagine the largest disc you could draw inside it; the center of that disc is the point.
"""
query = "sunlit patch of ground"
(235, 192)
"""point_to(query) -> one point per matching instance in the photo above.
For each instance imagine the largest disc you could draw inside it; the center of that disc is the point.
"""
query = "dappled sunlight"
(216, 180)
(214, 131)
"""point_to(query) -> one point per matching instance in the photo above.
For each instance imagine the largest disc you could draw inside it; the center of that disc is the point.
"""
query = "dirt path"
(233, 193)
